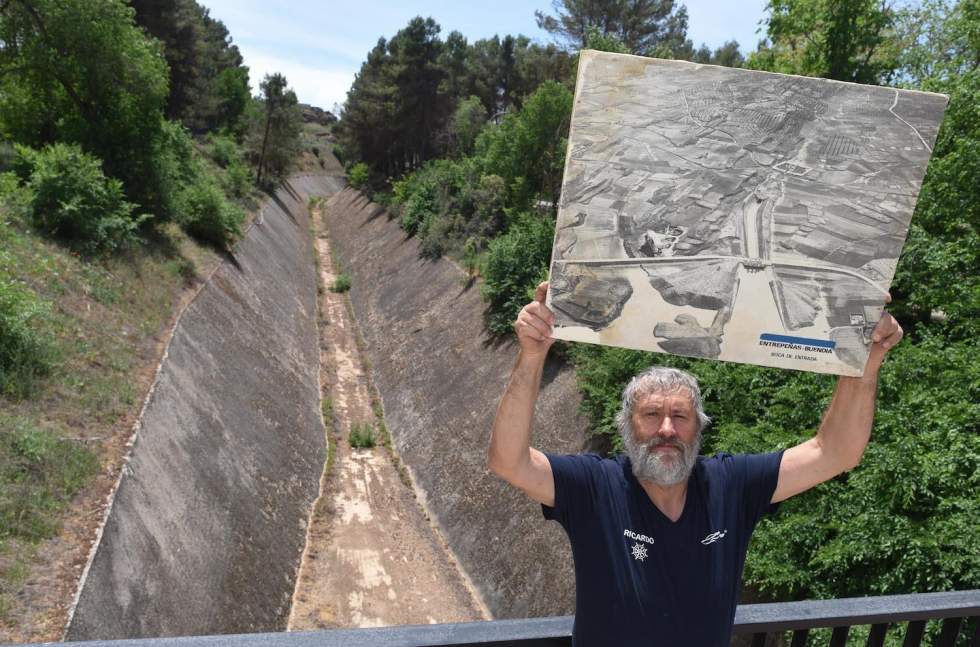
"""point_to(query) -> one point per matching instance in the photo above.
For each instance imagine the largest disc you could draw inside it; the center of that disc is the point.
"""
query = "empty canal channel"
(372, 556)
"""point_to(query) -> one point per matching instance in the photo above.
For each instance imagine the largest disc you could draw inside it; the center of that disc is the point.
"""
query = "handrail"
(753, 619)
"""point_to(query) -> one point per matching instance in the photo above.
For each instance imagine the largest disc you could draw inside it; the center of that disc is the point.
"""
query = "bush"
(361, 435)
(515, 263)
(238, 179)
(25, 354)
(73, 200)
(206, 214)
(224, 150)
(358, 175)
(341, 283)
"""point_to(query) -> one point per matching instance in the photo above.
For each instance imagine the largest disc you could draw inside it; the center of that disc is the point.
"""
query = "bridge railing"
(958, 611)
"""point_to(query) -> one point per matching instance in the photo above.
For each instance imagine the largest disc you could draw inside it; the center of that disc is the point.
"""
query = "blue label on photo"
(796, 341)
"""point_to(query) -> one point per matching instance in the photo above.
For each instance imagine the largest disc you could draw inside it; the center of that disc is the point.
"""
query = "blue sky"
(319, 46)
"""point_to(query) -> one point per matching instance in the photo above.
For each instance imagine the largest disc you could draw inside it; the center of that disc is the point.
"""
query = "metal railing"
(957, 610)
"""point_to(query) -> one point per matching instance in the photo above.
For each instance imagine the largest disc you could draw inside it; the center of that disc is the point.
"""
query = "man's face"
(665, 438)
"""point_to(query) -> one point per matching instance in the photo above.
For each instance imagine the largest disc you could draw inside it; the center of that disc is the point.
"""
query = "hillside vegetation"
(131, 154)
(480, 182)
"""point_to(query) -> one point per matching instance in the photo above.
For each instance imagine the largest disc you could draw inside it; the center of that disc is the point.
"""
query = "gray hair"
(658, 379)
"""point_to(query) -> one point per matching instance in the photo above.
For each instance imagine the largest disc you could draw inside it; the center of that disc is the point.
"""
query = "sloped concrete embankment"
(208, 521)
(440, 377)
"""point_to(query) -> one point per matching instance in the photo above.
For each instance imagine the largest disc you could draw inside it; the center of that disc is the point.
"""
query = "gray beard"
(662, 469)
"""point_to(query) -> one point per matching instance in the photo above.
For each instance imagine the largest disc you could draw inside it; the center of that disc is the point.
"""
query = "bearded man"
(659, 534)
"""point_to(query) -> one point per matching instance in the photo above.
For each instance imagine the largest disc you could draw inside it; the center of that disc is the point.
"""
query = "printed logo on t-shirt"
(715, 536)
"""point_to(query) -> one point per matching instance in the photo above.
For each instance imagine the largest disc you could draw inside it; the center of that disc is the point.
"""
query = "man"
(659, 535)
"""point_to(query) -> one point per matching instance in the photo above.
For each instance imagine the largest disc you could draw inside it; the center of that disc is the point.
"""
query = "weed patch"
(39, 473)
(341, 283)
(361, 435)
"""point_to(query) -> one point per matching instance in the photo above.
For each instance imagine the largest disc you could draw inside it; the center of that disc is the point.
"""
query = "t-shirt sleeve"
(574, 477)
(760, 474)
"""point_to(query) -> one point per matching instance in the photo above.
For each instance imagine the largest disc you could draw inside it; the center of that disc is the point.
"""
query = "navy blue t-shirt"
(642, 579)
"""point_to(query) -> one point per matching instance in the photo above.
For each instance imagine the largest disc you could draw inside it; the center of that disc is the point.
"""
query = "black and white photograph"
(734, 214)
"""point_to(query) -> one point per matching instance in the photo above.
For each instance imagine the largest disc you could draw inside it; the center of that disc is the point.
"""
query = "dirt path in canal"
(372, 557)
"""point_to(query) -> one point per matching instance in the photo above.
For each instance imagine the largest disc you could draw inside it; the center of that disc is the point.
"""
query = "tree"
(642, 25)
(527, 149)
(280, 128)
(468, 121)
(81, 71)
(847, 40)
(421, 108)
(178, 27)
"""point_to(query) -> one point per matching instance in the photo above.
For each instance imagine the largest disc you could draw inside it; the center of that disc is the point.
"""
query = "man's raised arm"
(846, 426)
(511, 456)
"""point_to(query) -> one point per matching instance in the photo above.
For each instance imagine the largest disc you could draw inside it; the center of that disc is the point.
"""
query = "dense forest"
(131, 150)
(465, 143)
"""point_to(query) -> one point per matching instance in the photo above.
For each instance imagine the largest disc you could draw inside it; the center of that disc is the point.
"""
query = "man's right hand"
(534, 325)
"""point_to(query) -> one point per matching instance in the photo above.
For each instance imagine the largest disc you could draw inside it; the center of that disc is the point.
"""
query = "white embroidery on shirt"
(637, 536)
(639, 552)
(715, 536)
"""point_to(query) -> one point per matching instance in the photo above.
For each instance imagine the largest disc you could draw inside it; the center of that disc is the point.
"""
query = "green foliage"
(224, 150)
(208, 83)
(82, 72)
(237, 178)
(71, 199)
(358, 175)
(39, 473)
(191, 195)
(342, 283)
(603, 42)
(904, 520)
(411, 100)
(274, 134)
(515, 263)
(937, 271)
(467, 122)
(847, 40)
(640, 26)
(527, 149)
(25, 352)
(205, 213)
(362, 435)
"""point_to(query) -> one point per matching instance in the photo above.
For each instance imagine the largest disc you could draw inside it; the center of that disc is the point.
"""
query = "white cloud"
(319, 86)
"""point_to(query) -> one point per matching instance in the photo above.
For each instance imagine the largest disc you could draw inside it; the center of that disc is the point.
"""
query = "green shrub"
(238, 179)
(224, 150)
(206, 213)
(341, 283)
(39, 473)
(515, 263)
(361, 435)
(73, 200)
(359, 175)
(25, 353)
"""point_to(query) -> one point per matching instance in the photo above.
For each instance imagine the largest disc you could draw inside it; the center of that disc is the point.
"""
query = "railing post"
(951, 627)
(839, 637)
(913, 635)
(877, 636)
(799, 638)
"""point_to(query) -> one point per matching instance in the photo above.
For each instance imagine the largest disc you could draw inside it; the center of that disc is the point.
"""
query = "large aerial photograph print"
(733, 214)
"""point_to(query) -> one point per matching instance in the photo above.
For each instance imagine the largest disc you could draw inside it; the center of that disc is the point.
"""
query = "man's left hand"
(885, 336)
